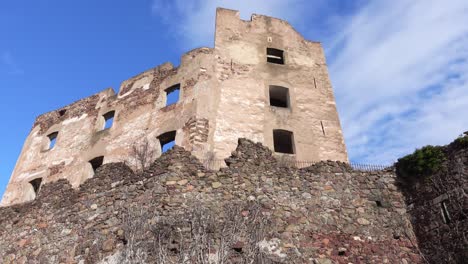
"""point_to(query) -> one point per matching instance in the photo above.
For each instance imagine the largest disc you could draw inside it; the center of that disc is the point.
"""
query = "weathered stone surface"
(216, 185)
(427, 197)
(316, 227)
(224, 95)
(108, 245)
(363, 221)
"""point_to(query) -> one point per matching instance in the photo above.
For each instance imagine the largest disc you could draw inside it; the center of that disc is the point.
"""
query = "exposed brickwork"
(197, 130)
(326, 213)
(138, 96)
(77, 109)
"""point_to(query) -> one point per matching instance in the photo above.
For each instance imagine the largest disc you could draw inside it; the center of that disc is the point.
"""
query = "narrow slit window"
(36, 184)
(96, 162)
(167, 141)
(283, 141)
(52, 139)
(445, 213)
(275, 56)
(279, 96)
(108, 119)
(172, 94)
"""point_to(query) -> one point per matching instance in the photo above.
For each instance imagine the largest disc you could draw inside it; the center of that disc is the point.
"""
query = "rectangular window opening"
(96, 162)
(283, 141)
(279, 96)
(109, 119)
(275, 56)
(167, 141)
(445, 212)
(52, 139)
(172, 94)
(36, 184)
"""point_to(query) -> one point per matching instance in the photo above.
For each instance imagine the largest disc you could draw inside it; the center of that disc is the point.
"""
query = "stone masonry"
(326, 213)
(438, 205)
(226, 92)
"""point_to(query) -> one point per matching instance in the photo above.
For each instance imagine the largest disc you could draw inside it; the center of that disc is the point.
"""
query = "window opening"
(172, 94)
(378, 203)
(279, 96)
(275, 56)
(167, 141)
(96, 162)
(52, 139)
(36, 184)
(283, 141)
(445, 213)
(109, 119)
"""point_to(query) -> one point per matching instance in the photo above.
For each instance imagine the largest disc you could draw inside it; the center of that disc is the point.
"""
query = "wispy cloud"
(9, 65)
(399, 68)
(193, 20)
(400, 74)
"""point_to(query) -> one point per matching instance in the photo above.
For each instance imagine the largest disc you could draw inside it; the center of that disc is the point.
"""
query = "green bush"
(423, 162)
(462, 141)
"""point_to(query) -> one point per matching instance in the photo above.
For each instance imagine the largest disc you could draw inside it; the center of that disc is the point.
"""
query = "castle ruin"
(262, 81)
(261, 97)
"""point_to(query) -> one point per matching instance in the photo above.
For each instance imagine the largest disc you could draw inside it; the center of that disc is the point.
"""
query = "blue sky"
(399, 68)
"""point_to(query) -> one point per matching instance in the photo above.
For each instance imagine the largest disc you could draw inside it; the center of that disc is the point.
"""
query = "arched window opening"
(167, 140)
(52, 139)
(108, 119)
(96, 163)
(279, 96)
(283, 141)
(36, 184)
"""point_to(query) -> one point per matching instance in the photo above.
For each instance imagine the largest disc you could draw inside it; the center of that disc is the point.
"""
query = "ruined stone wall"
(223, 96)
(140, 113)
(326, 213)
(245, 76)
(438, 205)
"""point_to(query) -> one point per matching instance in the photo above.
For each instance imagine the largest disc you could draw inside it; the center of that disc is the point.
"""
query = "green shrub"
(423, 162)
(462, 141)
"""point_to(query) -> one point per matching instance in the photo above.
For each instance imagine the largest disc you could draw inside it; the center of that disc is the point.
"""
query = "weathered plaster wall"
(245, 76)
(224, 96)
(326, 213)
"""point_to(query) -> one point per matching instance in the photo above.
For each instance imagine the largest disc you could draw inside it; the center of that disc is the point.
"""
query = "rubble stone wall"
(326, 213)
(438, 205)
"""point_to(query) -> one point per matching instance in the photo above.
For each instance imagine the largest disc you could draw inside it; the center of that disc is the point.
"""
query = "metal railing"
(370, 167)
(215, 164)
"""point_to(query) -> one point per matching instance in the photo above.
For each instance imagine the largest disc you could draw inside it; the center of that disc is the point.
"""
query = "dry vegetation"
(197, 235)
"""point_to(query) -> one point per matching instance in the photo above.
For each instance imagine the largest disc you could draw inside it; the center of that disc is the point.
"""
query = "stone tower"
(262, 81)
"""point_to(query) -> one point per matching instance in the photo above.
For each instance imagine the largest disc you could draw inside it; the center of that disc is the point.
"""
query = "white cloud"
(194, 20)
(400, 75)
(399, 68)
